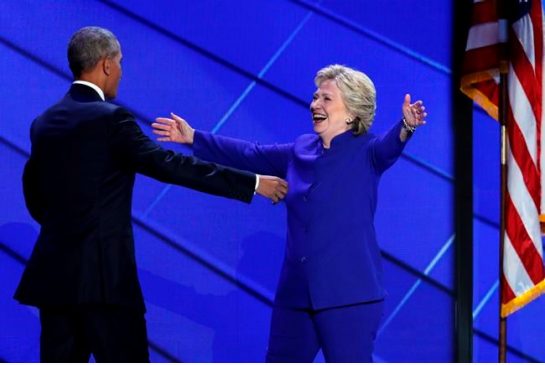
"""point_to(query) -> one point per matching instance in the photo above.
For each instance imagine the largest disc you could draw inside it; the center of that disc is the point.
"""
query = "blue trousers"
(345, 334)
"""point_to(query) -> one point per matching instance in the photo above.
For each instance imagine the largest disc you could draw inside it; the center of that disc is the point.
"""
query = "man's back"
(78, 185)
(79, 188)
(77, 175)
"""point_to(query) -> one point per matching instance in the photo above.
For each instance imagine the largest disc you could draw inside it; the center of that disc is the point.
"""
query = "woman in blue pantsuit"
(330, 293)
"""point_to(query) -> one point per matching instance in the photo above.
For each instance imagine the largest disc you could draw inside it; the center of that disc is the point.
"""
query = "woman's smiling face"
(329, 113)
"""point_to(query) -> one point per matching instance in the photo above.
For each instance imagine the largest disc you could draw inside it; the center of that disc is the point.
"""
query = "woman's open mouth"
(318, 118)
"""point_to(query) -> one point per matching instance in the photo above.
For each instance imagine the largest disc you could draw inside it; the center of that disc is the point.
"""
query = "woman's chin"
(318, 128)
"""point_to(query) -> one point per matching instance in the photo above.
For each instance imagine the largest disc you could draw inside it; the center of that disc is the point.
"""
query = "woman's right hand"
(174, 129)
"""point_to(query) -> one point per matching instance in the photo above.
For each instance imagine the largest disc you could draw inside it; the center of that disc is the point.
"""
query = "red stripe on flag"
(481, 59)
(536, 16)
(490, 89)
(484, 12)
(526, 75)
(507, 294)
(520, 152)
(522, 243)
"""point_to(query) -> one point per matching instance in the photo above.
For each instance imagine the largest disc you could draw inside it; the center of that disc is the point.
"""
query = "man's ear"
(106, 65)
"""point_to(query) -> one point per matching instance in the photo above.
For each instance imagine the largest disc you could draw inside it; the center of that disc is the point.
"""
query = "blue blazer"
(332, 257)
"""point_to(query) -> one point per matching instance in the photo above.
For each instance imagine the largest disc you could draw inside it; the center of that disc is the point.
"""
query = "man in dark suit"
(78, 185)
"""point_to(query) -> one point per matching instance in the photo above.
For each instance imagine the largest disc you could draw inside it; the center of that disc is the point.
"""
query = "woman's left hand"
(175, 129)
(414, 114)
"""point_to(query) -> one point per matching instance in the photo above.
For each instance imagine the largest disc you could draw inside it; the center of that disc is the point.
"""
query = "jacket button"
(305, 198)
(303, 259)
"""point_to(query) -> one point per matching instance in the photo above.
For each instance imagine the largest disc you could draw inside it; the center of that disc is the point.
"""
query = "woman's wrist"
(409, 128)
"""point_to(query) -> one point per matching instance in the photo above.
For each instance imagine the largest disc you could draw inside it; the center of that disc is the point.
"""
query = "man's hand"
(272, 187)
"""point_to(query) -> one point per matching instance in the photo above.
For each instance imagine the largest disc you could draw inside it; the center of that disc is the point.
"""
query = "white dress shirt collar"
(92, 86)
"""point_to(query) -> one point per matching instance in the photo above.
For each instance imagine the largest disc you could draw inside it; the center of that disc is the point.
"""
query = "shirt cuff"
(256, 182)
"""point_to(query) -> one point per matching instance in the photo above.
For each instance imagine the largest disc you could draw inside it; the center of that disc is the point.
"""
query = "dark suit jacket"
(78, 185)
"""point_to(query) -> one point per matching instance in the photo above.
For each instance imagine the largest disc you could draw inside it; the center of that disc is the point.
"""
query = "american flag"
(523, 271)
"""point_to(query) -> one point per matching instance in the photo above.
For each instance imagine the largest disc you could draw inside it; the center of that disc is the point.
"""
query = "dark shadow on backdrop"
(225, 313)
(462, 119)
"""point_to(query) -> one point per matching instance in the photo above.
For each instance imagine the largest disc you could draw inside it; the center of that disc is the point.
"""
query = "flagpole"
(502, 118)
(503, 191)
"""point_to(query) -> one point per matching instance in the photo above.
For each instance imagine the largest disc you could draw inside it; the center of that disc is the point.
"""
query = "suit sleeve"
(31, 192)
(139, 153)
(386, 149)
(262, 159)
(33, 200)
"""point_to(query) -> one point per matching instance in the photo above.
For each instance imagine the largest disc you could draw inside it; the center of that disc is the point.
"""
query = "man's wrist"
(192, 136)
(256, 183)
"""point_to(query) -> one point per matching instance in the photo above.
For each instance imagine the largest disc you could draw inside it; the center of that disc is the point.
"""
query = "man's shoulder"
(106, 110)
(114, 109)
(119, 113)
(69, 109)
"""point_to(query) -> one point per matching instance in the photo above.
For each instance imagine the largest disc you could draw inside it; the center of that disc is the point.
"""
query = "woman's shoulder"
(306, 139)
(306, 144)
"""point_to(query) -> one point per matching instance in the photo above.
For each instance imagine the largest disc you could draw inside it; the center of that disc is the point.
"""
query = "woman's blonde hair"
(358, 93)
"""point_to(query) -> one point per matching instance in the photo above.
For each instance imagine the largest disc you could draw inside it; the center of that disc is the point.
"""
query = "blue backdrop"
(245, 68)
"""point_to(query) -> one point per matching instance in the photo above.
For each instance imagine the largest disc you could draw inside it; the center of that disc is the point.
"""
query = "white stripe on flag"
(523, 113)
(482, 35)
(524, 205)
(524, 30)
(515, 274)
